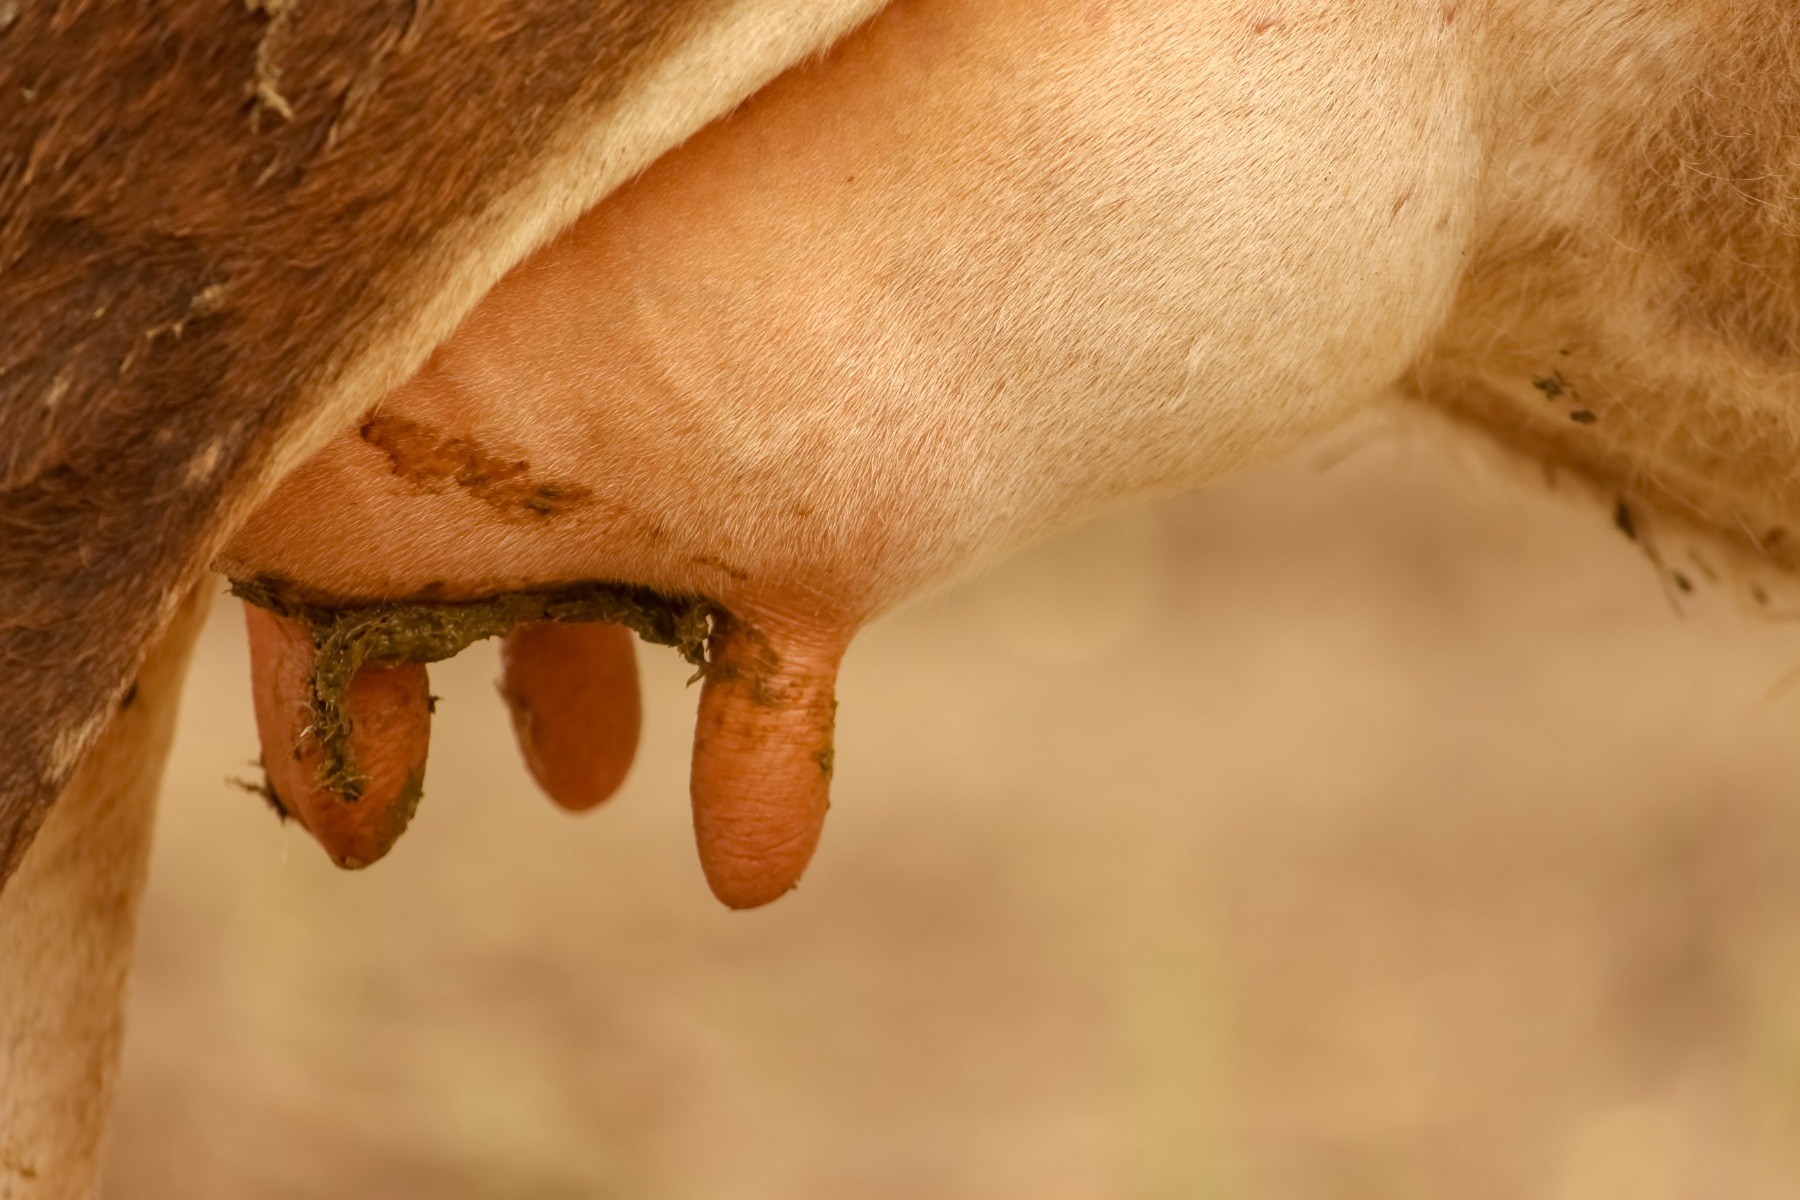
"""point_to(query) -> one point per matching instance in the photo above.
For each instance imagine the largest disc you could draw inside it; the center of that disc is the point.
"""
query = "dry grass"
(1387, 838)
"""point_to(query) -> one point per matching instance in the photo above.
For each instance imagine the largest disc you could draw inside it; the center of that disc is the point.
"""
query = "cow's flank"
(1632, 307)
(226, 229)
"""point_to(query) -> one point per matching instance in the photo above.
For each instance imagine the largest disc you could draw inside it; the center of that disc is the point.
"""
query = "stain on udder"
(434, 461)
(743, 658)
(719, 564)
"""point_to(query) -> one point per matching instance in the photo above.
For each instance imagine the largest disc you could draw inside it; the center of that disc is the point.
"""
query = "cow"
(984, 271)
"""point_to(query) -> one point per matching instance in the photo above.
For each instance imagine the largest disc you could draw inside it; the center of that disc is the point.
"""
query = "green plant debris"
(345, 639)
(262, 788)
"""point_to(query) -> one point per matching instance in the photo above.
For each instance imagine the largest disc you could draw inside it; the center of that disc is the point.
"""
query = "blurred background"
(1380, 832)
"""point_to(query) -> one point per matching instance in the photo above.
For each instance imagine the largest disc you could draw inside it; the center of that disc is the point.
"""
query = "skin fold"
(986, 270)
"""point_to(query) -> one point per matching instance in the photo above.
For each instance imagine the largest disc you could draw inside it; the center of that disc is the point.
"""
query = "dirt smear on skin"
(345, 639)
(432, 460)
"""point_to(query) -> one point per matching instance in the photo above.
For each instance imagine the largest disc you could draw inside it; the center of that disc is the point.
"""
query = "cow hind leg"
(67, 921)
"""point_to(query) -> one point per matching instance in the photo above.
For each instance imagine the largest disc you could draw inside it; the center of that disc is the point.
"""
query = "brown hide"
(207, 209)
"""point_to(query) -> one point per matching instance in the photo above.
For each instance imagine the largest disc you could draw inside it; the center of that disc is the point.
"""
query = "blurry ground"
(1378, 834)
